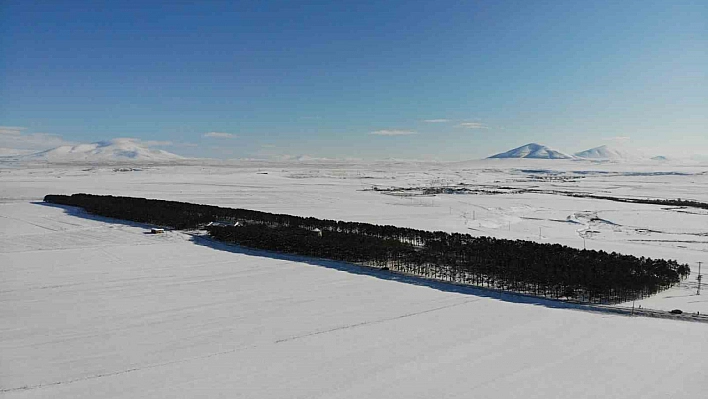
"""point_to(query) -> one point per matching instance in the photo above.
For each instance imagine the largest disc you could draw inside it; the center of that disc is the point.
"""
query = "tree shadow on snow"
(374, 272)
(81, 213)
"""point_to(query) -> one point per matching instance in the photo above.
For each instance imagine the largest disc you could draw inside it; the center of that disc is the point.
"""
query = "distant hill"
(607, 153)
(7, 152)
(532, 151)
(110, 151)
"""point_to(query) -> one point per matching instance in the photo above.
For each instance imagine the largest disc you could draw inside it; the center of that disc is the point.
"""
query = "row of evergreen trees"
(683, 203)
(549, 270)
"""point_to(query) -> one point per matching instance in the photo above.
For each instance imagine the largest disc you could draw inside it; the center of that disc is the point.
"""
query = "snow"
(116, 150)
(97, 308)
(607, 153)
(533, 151)
(8, 152)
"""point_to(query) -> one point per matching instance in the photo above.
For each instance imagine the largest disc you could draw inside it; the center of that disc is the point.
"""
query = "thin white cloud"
(617, 139)
(393, 132)
(157, 143)
(219, 135)
(15, 138)
(184, 145)
(473, 125)
(144, 143)
(436, 120)
(11, 130)
(162, 143)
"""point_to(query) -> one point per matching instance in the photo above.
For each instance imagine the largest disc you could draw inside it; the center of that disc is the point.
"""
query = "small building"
(156, 231)
(317, 231)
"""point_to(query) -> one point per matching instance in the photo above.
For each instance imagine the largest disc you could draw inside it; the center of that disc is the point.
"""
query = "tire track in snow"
(366, 323)
(233, 350)
(30, 223)
(126, 371)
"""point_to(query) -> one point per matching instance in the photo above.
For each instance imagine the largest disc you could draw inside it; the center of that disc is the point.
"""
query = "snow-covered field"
(93, 308)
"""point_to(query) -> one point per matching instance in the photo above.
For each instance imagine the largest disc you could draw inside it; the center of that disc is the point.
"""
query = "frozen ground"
(342, 191)
(92, 308)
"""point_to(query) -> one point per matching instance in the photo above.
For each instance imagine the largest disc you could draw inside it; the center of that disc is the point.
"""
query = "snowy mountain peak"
(109, 151)
(606, 153)
(532, 151)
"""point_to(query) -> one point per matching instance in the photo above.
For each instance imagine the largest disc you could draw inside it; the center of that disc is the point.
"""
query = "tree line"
(548, 270)
(683, 203)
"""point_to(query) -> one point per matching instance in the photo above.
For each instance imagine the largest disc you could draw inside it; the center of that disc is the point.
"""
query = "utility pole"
(539, 233)
(584, 247)
(698, 292)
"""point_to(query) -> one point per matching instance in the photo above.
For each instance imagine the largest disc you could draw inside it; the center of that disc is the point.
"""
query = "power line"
(700, 277)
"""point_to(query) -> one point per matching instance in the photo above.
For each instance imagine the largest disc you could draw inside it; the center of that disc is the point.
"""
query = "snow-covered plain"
(96, 308)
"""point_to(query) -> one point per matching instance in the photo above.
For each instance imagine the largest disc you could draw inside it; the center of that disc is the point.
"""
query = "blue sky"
(434, 80)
